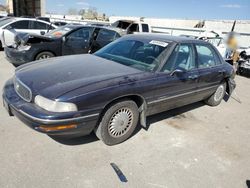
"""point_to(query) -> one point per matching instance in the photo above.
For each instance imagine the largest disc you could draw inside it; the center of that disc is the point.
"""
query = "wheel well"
(227, 86)
(42, 52)
(139, 100)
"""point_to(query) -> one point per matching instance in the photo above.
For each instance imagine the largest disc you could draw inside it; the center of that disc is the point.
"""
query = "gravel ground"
(193, 146)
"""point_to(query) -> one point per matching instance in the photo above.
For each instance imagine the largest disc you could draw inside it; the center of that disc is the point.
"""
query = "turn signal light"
(56, 128)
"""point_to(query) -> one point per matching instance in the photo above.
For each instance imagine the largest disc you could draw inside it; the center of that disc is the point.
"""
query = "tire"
(124, 116)
(44, 55)
(218, 95)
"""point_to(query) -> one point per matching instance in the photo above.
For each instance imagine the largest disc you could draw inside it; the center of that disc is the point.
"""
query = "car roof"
(32, 19)
(163, 37)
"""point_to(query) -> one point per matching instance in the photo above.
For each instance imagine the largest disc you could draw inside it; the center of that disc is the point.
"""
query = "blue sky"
(196, 9)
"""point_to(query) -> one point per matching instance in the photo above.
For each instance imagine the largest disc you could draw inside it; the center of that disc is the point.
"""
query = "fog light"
(47, 128)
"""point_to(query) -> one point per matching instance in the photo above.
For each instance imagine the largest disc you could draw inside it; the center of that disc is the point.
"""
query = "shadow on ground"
(76, 141)
(150, 120)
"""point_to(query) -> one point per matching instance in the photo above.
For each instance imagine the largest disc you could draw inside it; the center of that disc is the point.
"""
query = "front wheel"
(118, 122)
(44, 55)
(217, 97)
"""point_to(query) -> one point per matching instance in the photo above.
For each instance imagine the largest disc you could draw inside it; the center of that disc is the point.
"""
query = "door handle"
(193, 77)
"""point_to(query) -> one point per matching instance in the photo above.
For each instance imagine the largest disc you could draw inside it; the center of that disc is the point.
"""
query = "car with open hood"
(111, 91)
(66, 40)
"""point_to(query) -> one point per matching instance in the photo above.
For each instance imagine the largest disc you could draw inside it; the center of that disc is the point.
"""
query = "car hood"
(25, 38)
(54, 77)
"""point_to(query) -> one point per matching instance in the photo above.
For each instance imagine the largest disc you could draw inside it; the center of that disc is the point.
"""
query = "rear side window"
(38, 25)
(24, 24)
(106, 35)
(145, 28)
(206, 56)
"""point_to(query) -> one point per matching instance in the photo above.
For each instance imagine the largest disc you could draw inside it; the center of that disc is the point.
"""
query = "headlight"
(54, 106)
(23, 48)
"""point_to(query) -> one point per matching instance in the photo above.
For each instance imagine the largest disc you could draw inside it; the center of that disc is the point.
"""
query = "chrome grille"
(22, 90)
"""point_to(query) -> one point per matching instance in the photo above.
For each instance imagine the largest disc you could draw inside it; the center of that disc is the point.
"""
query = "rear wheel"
(118, 122)
(218, 95)
(44, 55)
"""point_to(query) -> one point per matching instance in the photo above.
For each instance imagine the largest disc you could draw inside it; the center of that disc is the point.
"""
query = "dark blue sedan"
(116, 88)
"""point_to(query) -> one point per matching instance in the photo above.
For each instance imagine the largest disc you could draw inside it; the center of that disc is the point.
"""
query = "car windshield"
(5, 21)
(59, 32)
(142, 55)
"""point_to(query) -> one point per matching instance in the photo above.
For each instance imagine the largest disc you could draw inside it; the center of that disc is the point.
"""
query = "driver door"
(178, 80)
(77, 42)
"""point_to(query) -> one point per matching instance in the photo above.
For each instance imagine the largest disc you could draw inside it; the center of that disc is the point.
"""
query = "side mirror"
(177, 72)
(42, 32)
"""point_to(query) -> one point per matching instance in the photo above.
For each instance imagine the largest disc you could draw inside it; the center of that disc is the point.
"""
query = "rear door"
(210, 68)
(77, 42)
(177, 83)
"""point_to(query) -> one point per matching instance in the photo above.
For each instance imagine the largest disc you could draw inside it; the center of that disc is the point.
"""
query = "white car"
(133, 26)
(23, 25)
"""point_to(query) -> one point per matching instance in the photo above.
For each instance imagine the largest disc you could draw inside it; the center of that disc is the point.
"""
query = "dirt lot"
(194, 146)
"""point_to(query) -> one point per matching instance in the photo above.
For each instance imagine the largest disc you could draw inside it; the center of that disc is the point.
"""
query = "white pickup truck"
(132, 26)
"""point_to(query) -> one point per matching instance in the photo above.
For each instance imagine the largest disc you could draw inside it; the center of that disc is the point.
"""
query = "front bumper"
(17, 57)
(36, 118)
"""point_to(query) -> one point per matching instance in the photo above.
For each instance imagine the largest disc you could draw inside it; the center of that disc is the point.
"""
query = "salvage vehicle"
(244, 62)
(111, 91)
(23, 25)
(66, 40)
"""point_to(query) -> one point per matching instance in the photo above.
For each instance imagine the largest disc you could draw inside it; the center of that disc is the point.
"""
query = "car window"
(5, 21)
(121, 24)
(38, 25)
(145, 28)
(124, 49)
(23, 24)
(81, 34)
(206, 56)
(142, 55)
(133, 28)
(182, 58)
(106, 35)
